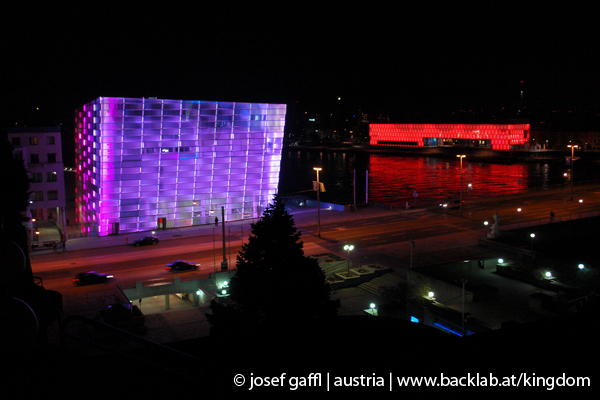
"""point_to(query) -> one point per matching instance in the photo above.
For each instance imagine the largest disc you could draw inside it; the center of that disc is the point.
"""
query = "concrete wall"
(205, 286)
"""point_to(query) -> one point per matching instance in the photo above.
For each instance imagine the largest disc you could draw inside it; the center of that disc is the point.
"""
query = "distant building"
(146, 164)
(491, 136)
(41, 151)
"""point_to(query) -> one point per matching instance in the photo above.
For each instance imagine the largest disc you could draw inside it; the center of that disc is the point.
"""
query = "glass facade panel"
(497, 137)
(174, 159)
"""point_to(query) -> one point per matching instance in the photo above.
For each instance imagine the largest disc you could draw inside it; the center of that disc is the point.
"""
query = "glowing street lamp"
(580, 204)
(573, 147)
(532, 236)
(348, 248)
(373, 309)
(318, 202)
(461, 184)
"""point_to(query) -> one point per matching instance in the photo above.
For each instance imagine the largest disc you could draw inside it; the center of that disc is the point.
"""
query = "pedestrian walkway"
(303, 217)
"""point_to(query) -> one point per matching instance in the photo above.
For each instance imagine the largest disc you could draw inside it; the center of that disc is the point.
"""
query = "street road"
(129, 264)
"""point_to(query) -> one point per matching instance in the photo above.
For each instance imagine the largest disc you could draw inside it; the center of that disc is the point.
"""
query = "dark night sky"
(407, 59)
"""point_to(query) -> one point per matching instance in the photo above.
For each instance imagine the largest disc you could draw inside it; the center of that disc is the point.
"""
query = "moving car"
(181, 265)
(148, 240)
(91, 278)
(450, 204)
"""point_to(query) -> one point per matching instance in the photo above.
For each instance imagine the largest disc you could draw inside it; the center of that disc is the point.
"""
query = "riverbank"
(473, 153)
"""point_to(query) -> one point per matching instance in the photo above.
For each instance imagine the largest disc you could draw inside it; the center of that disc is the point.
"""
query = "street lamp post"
(461, 183)
(463, 307)
(573, 147)
(318, 202)
(348, 248)
(532, 236)
(580, 204)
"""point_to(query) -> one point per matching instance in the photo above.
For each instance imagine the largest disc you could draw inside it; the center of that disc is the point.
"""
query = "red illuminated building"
(491, 136)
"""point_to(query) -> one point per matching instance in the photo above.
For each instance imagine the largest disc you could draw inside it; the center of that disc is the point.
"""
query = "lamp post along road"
(224, 262)
(461, 183)
(348, 248)
(572, 166)
(318, 202)
(412, 246)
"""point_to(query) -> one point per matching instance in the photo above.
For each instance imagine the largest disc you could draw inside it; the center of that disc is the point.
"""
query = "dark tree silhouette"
(275, 285)
(27, 309)
(13, 236)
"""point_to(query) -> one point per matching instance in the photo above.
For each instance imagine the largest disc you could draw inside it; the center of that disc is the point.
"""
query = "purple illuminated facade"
(146, 164)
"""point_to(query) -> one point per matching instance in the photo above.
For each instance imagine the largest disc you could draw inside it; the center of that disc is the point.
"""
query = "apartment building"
(40, 149)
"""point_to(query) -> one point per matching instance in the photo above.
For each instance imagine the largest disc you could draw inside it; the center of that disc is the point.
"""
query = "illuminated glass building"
(147, 164)
(492, 136)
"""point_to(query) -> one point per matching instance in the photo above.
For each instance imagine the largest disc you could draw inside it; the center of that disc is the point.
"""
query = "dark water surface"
(394, 179)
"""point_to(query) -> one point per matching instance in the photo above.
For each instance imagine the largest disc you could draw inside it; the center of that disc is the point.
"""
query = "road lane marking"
(371, 237)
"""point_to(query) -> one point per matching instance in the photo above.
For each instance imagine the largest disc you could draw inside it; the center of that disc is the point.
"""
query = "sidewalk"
(303, 217)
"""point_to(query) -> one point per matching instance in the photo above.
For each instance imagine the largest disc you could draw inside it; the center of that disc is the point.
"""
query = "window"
(35, 158)
(33, 140)
(49, 139)
(52, 194)
(16, 141)
(36, 177)
(38, 196)
(51, 157)
(51, 176)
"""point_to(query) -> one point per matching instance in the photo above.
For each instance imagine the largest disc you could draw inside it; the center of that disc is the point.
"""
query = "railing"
(543, 221)
(437, 201)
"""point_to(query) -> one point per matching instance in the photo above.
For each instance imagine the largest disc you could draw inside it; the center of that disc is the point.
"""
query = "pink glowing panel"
(492, 136)
(171, 163)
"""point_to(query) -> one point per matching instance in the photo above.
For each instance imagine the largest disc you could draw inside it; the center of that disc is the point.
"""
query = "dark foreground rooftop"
(353, 346)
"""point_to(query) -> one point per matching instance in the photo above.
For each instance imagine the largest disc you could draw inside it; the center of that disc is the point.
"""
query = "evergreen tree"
(275, 284)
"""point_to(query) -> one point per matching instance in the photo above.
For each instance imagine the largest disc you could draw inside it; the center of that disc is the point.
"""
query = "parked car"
(146, 241)
(181, 265)
(91, 278)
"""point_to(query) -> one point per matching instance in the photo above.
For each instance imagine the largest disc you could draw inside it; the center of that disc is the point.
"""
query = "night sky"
(409, 61)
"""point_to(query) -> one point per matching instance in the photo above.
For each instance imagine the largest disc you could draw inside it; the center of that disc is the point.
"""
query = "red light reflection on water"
(394, 179)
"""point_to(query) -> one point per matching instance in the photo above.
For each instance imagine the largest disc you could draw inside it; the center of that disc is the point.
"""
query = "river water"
(394, 179)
